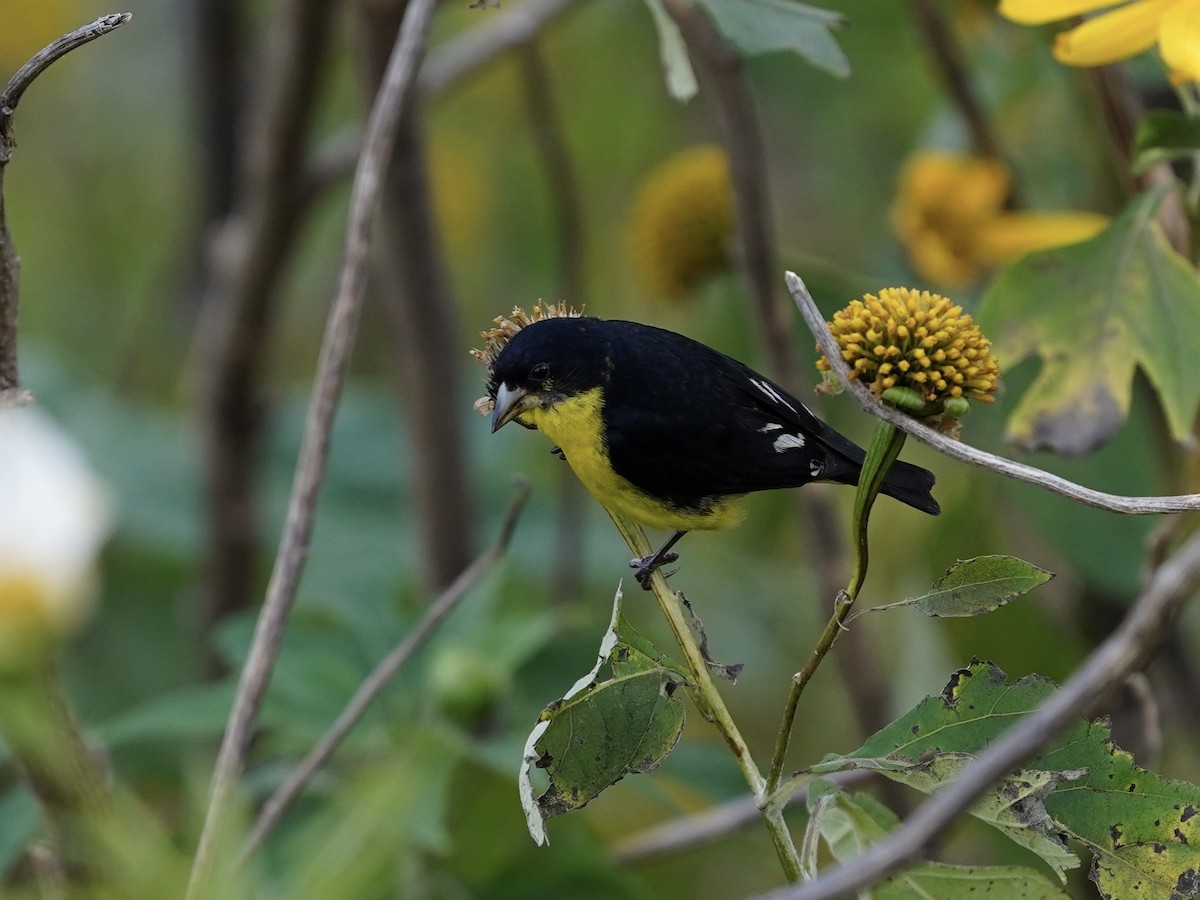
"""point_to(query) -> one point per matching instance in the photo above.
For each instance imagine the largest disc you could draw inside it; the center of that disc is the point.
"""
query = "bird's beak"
(510, 403)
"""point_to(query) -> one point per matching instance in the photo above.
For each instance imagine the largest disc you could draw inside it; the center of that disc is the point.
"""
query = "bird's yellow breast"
(576, 425)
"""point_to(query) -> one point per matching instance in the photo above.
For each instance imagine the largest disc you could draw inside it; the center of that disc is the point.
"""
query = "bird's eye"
(540, 371)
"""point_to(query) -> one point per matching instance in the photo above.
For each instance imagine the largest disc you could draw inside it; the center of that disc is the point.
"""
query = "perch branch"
(394, 95)
(1136, 506)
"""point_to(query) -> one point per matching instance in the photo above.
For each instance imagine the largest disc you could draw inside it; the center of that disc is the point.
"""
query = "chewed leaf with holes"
(850, 824)
(621, 718)
(1094, 312)
(1143, 831)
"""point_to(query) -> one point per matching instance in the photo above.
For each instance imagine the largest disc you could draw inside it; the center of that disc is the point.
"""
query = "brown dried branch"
(10, 379)
(425, 332)
(395, 95)
(246, 259)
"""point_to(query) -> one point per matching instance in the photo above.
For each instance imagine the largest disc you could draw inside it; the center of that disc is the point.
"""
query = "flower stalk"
(886, 445)
(708, 699)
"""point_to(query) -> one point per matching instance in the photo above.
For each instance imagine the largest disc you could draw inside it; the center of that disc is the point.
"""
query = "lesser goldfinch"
(668, 431)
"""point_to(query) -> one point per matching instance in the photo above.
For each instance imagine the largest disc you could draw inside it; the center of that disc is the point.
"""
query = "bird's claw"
(648, 565)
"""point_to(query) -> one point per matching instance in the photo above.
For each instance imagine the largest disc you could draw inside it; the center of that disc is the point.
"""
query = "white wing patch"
(773, 395)
(770, 426)
(788, 442)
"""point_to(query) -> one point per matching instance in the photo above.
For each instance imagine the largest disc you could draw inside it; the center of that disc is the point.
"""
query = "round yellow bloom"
(949, 215)
(681, 222)
(916, 340)
(1125, 29)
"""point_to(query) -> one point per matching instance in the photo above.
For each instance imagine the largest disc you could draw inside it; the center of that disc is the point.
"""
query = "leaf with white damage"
(1143, 830)
(672, 50)
(848, 825)
(621, 718)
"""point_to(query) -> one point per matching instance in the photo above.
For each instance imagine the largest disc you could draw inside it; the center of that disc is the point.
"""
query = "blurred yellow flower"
(949, 215)
(53, 519)
(29, 25)
(1125, 29)
(681, 222)
(916, 340)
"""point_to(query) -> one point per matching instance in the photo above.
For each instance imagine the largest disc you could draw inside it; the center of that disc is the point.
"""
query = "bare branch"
(1103, 671)
(85, 34)
(465, 55)
(10, 378)
(395, 94)
(1134, 506)
(690, 832)
(373, 684)
(245, 260)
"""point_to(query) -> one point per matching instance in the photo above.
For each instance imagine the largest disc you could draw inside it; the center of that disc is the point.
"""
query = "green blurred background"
(106, 199)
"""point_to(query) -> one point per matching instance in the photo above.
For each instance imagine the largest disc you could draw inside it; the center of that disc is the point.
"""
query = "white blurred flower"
(54, 515)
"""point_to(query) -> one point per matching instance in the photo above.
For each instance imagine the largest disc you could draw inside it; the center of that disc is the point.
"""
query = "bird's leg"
(647, 565)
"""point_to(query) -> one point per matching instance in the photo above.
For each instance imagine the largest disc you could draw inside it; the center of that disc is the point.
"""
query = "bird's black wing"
(687, 424)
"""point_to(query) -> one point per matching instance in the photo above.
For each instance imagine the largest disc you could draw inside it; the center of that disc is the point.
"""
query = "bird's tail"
(911, 484)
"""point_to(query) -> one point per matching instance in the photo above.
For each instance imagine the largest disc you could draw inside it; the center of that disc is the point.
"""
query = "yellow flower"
(495, 338)
(916, 340)
(949, 215)
(1125, 29)
(681, 222)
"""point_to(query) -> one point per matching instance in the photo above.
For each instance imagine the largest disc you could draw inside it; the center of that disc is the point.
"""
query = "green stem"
(71, 786)
(886, 444)
(708, 699)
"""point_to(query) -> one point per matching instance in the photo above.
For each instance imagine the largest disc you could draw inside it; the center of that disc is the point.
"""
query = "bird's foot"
(558, 451)
(648, 565)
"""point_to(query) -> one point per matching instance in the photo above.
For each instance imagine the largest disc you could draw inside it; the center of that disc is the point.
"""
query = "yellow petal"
(1179, 40)
(1039, 12)
(1009, 236)
(1118, 34)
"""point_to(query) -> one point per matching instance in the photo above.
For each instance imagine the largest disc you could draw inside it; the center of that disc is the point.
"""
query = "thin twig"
(1104, 670)
(467, 54)
(447, 67)
(948, 59)
(373, 684)
(10, 378)
(690, 832)
(394, 95)
(1134, 506)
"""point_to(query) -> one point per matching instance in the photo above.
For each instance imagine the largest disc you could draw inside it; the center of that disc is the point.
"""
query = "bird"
(668, 431)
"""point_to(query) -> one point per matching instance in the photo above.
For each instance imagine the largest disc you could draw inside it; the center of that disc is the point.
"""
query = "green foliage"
(848, 825)
(972, 587)
(604, 729)
(767, 26)
(1141, 829)
(1164, 135)
(1094, 312)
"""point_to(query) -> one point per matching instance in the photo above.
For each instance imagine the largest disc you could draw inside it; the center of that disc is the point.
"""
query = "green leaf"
(677, 66)
(975, 586)
(848, 825)
(1143, 830)
(603, 730)
(1094, 312)
(766, 26)
(1164, 135)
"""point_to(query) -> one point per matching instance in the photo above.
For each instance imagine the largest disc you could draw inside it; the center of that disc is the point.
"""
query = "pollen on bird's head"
(497, 338)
